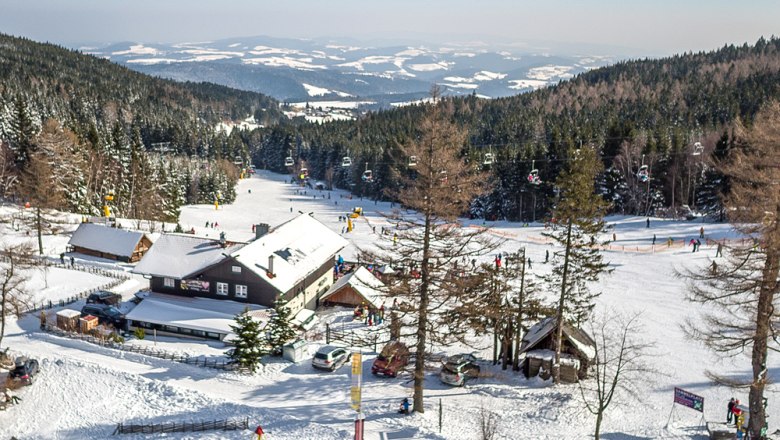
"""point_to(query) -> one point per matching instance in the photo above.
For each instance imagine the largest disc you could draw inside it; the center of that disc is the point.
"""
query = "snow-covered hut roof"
(386, 269)
(578, 338)
(195, 313)
(104, 239)
(179, 255)
(300, 247)
(364, 283)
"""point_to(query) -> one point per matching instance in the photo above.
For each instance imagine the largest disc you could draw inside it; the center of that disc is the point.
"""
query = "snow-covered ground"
(84, 390)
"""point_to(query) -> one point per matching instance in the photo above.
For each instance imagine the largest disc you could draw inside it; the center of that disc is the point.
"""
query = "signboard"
(195, 285)
(690, 400)
(357, 377)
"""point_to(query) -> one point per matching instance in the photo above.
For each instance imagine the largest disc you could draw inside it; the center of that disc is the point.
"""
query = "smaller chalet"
(356, 288)
(112, 243)
(577, 353)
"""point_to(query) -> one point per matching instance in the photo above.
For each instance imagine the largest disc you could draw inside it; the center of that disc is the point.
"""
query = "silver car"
(330, 358)
(457, 370)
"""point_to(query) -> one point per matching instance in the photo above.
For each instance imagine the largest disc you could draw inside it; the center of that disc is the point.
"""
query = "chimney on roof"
(261, 229)
(271, 265)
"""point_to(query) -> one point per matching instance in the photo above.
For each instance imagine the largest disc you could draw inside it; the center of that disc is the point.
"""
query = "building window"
(236, 269)
(168, 282)
(222, 288)
(241, 291)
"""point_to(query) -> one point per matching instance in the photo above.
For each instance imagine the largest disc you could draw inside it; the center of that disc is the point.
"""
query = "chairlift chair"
(443, 176)
(412, 161)
(346, 162)
(288, 161)
(488, 159)
(533, 176)
(643, 174)
(305, 172)
(368, 176)
(698, 149)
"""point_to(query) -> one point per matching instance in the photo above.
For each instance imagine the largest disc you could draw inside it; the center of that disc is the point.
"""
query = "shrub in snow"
(139, 333)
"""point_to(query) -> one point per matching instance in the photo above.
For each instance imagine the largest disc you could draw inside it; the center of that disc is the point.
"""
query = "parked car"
(104, 297)
(330, 358)
(105, 314)
(392, 359)
(457, 370)
(24, 370)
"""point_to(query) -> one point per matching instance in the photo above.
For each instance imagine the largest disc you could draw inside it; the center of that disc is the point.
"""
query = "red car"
(391, 360)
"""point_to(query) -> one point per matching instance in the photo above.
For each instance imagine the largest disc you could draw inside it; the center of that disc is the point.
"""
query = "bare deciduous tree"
(430, 243)
(744, 286)
(619, 364)
(15, 262)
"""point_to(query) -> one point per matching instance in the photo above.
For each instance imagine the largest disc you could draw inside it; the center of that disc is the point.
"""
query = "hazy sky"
(650, 27)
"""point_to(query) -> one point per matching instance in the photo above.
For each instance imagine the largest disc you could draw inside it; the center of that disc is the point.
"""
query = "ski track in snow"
(84, 390)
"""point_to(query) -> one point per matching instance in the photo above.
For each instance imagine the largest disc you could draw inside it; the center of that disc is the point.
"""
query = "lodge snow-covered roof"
(299, 246)
(581, 340)
(364, 283)
(104, 239)
(179, 255)
(209, 315)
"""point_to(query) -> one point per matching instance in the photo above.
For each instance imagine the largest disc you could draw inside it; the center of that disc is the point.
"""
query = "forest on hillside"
(90, 127)
(658, 124)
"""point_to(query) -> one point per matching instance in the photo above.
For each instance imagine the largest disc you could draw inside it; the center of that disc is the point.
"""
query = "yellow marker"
(216, 204)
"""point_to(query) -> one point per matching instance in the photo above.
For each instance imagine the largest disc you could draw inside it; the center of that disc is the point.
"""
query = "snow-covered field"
(84, 390)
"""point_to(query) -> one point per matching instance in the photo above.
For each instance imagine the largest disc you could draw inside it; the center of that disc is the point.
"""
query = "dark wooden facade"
(345, 296)
(547, 343)
(259, 291)
(140, 249)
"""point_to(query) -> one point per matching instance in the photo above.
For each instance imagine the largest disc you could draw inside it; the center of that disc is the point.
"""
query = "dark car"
(104, 297)
(24, 370)
(105, 314)
(459, 369)
(391, 360)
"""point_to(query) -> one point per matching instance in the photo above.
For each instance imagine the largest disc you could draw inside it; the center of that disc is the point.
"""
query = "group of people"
(736, 415)
(370, 315)
(212, 224)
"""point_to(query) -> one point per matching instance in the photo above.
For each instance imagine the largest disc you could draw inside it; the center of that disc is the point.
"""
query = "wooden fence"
(169, 427)
(106, 341)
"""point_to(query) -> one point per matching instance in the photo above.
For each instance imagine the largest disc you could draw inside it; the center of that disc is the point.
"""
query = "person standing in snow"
(546, 255)
(698, 246)
(730, 411)
(530, 266)
(614, 237)
(404, 409)
(653, 239)
(648, 222)
(719, 251)
(701, 232)
(692, 243)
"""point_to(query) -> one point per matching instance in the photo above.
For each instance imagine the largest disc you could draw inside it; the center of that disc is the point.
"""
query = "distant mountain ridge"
(300, 70)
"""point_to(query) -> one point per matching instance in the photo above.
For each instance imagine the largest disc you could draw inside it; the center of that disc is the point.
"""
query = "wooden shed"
(111, 243)
(88, 323)
(68, 319)
(359, 287)
(577, 353)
